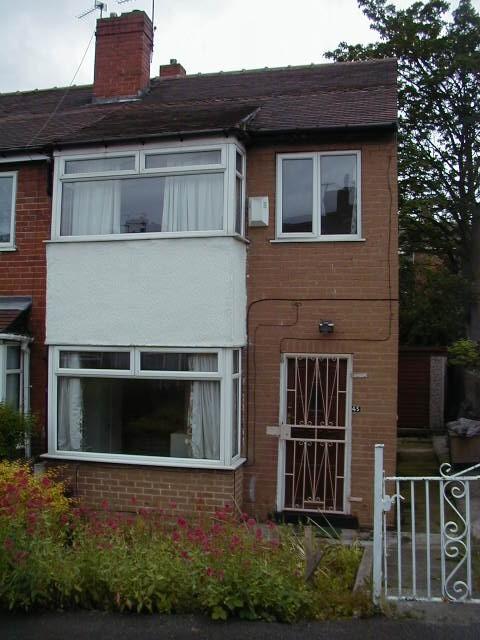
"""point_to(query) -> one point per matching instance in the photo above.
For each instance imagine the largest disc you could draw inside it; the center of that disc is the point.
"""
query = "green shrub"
(15, 427)
(465, 353)
(54, 554)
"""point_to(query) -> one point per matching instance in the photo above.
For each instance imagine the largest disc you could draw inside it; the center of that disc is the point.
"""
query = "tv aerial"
(98, 5)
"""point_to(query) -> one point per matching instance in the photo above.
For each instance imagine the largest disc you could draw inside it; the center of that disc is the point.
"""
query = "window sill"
(146, 461)
(6, 248)
(326, 239)
(146, 236)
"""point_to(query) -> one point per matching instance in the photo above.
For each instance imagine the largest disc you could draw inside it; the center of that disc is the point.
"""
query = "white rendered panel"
(166, 292)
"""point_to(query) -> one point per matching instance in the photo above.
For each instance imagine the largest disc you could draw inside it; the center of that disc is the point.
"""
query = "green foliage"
(432, 304)
(333, 583)
(465, 353)
(439, 129)
(54, 555)
(15, 427)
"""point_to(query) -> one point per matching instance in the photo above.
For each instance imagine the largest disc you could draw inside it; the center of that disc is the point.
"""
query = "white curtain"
(193, 202)
(91, 208)
(204, 412)
(70, 411)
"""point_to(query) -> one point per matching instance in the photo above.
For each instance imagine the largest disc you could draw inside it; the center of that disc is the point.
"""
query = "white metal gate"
(423, 547)
(314, 433)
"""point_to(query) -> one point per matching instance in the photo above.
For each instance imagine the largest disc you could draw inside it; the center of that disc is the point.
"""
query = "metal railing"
(423, 547)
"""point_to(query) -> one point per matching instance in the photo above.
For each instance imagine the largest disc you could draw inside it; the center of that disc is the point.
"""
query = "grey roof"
(258, 102)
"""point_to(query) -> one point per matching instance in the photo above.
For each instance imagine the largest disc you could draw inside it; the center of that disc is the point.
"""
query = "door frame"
(281, 458)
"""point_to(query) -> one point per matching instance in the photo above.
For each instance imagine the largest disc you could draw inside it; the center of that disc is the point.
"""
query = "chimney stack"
(172, 70)
(123, 51)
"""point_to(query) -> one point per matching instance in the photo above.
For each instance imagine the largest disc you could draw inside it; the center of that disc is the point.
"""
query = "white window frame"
(223, 375)
(226, 167)
(236, 174)
(315, 235)
(10, 245)
(237, 376)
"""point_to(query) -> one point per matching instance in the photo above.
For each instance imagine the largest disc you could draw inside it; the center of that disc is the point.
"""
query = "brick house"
(198, 279)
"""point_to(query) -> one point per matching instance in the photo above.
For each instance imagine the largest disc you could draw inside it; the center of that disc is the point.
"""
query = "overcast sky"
(43, 41)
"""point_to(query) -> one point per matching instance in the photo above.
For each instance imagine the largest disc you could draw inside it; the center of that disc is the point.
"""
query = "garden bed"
(56, 554)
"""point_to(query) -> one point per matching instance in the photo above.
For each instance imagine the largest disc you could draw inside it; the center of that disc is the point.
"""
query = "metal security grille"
(423, 543)
(315, 427)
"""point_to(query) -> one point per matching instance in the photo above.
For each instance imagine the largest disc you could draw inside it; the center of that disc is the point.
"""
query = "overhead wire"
(63, 97)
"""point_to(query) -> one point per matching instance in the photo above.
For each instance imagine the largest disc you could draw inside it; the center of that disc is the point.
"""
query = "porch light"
(325, 326)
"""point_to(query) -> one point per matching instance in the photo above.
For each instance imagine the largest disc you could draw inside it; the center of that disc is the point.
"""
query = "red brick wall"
(344, 277)
(128, 487)
(122, 55)
(23, 272)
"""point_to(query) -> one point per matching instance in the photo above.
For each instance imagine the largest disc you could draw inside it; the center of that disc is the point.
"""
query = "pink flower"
(104, 505)
(235, 542)
(182, 523)
(244, 517)
(258, 534)
(173, 504)
(175, 536)
(184, 555)
(8, 544)
(209, 571)
(46, 482)
(251, 522)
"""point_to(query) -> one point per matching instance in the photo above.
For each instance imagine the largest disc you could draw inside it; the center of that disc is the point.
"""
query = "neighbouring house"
(198, 279)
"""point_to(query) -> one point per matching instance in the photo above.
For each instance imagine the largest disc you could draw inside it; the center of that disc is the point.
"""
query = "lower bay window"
(145, 405)
(14, 357)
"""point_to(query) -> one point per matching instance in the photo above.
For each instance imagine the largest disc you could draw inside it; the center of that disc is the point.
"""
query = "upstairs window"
(8, 184)
(318, 196)
(165, 191)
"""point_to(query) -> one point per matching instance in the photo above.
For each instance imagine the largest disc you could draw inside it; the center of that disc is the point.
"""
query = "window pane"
(100, 165)
(95, 360)
(339, 194)
(235, 425)
(158, 361)
(142, 205)
(183, 159)
(239, 162)
(6, 192)
(297, 195)
(236, 361)
(171, 418)
(238, 205)
(13, 357)
(12, 396)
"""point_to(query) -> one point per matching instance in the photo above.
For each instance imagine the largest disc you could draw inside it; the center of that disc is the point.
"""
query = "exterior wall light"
(325, 326)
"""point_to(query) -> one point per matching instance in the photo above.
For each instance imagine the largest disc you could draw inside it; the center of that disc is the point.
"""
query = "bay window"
(318, 196)
(8, 185)
(146, 405)
(164, 192)
(14, 373)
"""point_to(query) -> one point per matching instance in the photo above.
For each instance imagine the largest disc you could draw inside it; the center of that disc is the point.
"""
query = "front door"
(315, 433)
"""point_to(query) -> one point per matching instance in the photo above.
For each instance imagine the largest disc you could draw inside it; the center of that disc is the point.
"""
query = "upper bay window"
(165, 192)
(318, 196)
(163, 406)
(8, 183)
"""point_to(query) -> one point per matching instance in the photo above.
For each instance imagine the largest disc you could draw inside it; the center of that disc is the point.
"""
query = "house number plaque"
(356, 408)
